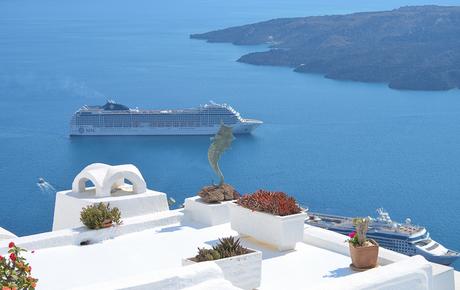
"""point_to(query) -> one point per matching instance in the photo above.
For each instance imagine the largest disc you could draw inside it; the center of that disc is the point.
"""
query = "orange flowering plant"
(272, 202)
(15, 272)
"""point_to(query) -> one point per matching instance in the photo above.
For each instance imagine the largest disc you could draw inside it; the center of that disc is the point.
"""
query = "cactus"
(361, 225)
(220, 142)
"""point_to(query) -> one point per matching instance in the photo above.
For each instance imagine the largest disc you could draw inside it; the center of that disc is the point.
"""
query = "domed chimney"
(122, 186)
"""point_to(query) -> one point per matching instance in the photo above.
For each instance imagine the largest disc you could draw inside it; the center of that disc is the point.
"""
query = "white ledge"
(77, 235)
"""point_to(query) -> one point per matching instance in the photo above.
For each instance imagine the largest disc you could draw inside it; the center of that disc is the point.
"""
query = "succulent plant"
(97, 215)
(276, 203)
(207, 255)
(359, 238)
(361, 225)
(229, 247)
(226, 247)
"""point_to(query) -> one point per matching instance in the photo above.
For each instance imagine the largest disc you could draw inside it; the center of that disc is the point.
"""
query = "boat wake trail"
(45, 186)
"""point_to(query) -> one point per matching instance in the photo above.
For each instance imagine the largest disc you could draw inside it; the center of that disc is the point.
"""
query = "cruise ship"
(404, 238)
(117, 119)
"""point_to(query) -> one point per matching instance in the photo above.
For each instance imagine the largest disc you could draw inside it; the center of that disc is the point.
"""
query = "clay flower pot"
(107, 223)
(364, 257)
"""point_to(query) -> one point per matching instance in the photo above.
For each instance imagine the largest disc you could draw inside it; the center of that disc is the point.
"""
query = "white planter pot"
(209, 214)
(281, 231)
(242, 271)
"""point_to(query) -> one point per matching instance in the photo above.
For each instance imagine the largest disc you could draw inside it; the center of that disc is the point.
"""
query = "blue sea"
(338, 147)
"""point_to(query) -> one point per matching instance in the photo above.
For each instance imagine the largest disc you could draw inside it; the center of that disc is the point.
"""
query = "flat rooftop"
(164, 247)
(147, 250)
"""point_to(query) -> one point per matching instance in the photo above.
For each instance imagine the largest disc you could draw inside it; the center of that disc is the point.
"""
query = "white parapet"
(4, 234)
(121, 186)
(201, 276)
(442, 276)
(414, 273)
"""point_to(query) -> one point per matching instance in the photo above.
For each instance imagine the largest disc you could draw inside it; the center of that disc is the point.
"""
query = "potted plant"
(210, 207)
(15, 272)
(100, 215)
(364, 252)
(240, 265)
(271, 217)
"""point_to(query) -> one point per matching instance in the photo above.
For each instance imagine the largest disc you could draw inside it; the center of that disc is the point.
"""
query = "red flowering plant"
(276, 203)
(353, 238)
(15, 272)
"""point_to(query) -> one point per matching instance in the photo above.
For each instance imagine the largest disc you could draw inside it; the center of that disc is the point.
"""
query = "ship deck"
(145, 111)
(346, 223)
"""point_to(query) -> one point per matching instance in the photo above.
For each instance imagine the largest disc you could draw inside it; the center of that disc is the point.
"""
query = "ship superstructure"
(404, 238)
(117, 119)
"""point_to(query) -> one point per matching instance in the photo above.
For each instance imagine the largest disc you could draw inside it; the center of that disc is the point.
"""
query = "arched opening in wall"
(122, 186)
(86, 185)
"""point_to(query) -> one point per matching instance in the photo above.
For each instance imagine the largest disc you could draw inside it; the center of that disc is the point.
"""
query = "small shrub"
(226, 247)
(15, 272)
(276, 203)
(96, 216)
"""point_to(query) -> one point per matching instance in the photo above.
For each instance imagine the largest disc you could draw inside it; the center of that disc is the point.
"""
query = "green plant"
(226, 247)
(276, 203)
(99, 215)
(207, 255)
(15, 272)
(229, 247)
(359, 238)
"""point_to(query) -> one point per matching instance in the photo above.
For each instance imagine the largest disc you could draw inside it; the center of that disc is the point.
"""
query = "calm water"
(339, 147)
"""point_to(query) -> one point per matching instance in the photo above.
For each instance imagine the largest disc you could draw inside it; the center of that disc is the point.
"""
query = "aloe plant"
(225, 248)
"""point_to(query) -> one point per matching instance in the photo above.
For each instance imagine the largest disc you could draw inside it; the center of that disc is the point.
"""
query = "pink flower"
(13, 257)
(1, 258)
(10, 245)
(352, 235)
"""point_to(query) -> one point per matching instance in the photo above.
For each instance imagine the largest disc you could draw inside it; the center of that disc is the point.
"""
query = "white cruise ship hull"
(241, 128)
(113, 119)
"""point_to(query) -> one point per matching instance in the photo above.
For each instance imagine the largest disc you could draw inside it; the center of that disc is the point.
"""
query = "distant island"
(413, 48)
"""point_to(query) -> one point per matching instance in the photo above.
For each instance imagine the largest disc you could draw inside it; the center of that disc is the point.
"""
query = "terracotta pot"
(107, 224)
(364, 257)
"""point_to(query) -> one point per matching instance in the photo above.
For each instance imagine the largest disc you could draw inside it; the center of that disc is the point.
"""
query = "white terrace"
(147, 250)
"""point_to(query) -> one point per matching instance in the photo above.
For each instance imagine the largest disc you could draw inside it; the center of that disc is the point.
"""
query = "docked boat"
(404, 238)
(117, 119)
